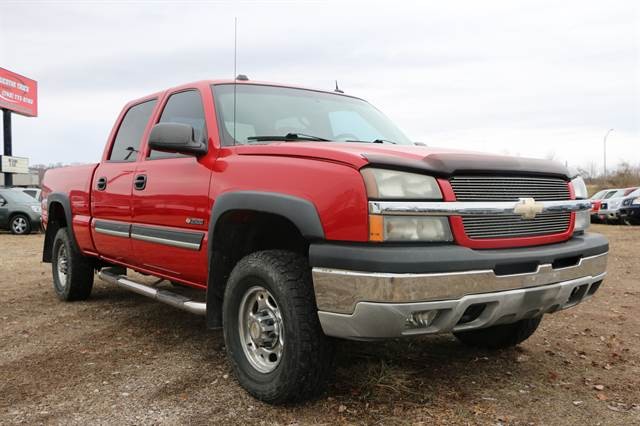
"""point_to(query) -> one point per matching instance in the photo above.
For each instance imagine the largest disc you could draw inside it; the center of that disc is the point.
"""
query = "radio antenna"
(235, 62)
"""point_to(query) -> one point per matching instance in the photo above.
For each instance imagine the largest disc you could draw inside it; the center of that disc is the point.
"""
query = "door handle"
(101, 184)
(140, 182)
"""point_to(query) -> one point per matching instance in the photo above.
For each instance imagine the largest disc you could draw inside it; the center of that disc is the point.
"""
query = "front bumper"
(609, 214)
(455, 287)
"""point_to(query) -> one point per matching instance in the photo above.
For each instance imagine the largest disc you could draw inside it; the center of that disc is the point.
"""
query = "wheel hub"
(62, 265)
(260, 329)
(19, 225)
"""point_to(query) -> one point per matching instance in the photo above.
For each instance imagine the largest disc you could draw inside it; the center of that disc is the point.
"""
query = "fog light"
(423, 319)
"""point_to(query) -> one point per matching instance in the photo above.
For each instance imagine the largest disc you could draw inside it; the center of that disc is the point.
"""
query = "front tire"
(73, 273)
(271, 328)
(20, 225)
(500, 336)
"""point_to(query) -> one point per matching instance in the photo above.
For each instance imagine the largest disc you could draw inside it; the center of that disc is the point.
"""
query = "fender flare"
(63, 199)
(301, 212)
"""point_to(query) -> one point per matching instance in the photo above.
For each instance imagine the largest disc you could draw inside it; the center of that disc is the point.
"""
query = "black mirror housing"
(176, 137)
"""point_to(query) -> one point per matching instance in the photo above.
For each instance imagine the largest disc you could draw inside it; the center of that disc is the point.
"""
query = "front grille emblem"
(528, 208)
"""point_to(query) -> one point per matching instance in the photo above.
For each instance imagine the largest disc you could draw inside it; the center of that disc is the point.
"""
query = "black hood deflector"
(449, 164)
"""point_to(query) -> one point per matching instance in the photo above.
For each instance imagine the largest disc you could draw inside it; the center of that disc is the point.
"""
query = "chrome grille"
(511, 188)
(508, 188)
(513, 226)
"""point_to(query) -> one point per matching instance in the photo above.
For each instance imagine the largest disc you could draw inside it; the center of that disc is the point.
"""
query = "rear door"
(171, 201)
(113, 182)
(4, 212)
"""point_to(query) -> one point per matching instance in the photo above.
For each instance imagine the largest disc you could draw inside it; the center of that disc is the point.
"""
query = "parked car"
(596, 199)
(630, 209)
(19, 213)
(610, 205)
(305, 215)
(32, 192)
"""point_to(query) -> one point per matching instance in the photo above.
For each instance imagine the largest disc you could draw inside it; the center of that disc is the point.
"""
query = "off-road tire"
(80, 270)
(26, 224)
(500, 336)
(307, 359)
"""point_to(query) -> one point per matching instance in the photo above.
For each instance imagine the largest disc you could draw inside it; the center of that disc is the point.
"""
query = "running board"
(176, 300)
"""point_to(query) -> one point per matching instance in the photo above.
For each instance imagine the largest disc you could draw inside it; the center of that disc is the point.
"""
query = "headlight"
(583, 220)
(36, 209)
(393, 185)
(384, 184)
(409, 228)
(580, 188)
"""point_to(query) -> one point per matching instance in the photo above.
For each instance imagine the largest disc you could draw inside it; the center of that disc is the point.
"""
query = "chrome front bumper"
(361, 305)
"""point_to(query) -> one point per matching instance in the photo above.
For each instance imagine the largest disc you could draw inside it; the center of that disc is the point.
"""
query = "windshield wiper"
(377, 141)
(288, 137)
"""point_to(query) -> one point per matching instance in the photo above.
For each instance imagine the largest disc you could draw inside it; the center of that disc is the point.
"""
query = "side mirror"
(176, 137)
(2, 202)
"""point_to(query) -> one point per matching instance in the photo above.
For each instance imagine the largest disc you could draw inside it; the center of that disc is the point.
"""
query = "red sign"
(18, 94)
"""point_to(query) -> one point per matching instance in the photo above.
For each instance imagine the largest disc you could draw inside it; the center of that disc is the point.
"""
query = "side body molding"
(301, 212)
(63, 199)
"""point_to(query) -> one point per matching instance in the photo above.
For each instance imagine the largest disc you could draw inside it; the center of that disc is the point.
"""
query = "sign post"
(20, 95)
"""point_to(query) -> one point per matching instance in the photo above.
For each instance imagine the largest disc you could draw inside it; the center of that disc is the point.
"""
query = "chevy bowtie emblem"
(528, 208)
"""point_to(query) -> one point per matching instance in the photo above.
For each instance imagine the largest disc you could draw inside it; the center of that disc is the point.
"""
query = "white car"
(611, 203)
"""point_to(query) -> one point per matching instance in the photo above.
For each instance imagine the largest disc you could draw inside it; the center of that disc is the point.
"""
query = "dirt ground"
(120, 358)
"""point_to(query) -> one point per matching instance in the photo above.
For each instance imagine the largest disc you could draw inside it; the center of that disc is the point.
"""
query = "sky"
(542, 79)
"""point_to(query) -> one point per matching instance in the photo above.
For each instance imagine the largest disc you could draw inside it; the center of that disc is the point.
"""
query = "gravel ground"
(120, 358)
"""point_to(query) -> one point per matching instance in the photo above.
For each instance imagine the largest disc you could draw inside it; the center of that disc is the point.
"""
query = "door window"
(184, 107)
(127, 143)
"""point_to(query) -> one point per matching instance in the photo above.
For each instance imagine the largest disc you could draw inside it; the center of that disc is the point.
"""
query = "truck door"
(170, 200)
(113, 183)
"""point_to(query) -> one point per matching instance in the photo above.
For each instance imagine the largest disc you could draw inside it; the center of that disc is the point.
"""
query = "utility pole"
(6, 130)
(605, 152)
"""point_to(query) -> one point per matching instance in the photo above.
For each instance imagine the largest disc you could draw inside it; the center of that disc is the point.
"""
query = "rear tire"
(271, 328)
(500, 336)
(20, 225)
(72, 272)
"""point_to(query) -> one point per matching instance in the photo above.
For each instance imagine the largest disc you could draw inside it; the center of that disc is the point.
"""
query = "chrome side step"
(176, 300)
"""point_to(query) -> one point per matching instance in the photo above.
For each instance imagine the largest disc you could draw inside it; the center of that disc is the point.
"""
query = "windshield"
(597, 195)
(18, 197)
(634, 193)
(262, 112)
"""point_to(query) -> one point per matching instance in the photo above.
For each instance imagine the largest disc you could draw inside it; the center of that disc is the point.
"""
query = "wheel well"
(14, 214)
(237, 234)
(56, 220)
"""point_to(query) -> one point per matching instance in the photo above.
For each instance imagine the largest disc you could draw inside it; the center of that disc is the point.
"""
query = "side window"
(129, 135)
(184, 107)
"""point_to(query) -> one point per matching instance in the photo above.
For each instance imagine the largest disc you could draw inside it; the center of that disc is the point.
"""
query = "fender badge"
(528, 208)
(194, 221)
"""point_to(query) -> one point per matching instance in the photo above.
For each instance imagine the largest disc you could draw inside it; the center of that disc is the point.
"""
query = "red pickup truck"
(305, 216)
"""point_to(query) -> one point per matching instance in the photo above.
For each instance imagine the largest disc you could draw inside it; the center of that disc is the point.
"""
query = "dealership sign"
(18, 94)
(14, 164)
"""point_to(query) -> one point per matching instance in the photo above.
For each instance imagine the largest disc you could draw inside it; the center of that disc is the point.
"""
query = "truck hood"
(442, 162)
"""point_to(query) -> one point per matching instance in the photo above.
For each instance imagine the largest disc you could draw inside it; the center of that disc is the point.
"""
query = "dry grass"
(120, 358)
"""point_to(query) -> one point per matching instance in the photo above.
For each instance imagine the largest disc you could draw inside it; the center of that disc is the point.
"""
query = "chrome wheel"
(261, 329)
(19, 225)
(62, 266)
